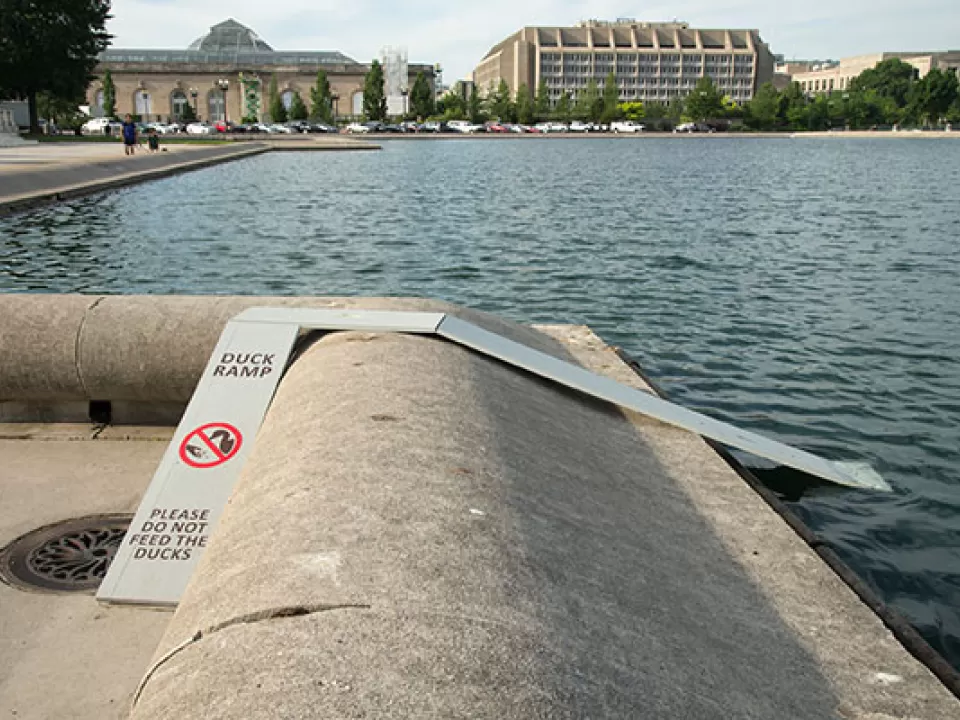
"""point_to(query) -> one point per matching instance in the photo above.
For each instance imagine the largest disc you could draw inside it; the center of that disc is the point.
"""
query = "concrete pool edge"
(111, 332)
(906, 634)
(56, 184)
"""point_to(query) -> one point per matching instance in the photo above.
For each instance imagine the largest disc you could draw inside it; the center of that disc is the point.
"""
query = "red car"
(497, 128)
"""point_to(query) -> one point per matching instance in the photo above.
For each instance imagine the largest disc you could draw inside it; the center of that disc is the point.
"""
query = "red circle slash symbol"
(210, 445)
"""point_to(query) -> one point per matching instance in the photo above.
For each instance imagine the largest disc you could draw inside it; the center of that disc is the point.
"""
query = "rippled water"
(808, 289)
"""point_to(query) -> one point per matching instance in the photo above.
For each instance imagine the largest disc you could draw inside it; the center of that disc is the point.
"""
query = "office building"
(651, 61)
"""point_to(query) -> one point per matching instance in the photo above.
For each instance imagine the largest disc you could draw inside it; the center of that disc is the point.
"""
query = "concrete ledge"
(424, 532)
(147, 349)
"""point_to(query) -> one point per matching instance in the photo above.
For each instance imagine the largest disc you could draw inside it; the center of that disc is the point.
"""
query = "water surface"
(808, 289)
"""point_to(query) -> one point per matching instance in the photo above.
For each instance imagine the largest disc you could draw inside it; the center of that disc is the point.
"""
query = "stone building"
(159, 84)
(827, 77)
(651, 61)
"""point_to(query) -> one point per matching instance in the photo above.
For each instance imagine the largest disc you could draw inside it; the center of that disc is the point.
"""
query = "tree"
(109, 96)
(891, 78)
(705, 102)
(452, 106)
(634, 111)
(421, 97)
(541, 108)
(564, 109)
(524, 105)
(589, 105)
(932, 97)
(611, 100)
(278, 113)
(320, 99)
(189, 115)
(474, 109)
(764, 111)
(374, 98)
(298, 110)
(50, 46)
(500, 103)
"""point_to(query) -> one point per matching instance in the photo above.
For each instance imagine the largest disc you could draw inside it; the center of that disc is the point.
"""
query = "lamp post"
(404, 91)
(193, 96)
(336, 106)
(224, 85)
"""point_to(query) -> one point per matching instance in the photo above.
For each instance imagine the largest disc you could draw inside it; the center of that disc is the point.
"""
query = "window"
(143, 104)
(178, 104)
(215, 105)
(97, 109)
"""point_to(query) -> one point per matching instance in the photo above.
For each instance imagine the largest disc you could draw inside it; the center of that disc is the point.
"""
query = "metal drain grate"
(70, 556)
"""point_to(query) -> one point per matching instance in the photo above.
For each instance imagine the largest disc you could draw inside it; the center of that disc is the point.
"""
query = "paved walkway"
(31, 175)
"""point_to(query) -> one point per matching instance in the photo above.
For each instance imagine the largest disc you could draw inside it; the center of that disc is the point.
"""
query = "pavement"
(421, 531)
(32, 175)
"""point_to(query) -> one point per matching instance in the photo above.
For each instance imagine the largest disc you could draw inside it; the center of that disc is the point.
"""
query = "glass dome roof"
(230, 37)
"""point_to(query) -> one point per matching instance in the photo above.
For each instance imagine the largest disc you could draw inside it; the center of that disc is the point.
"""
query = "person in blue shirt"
(129, 133)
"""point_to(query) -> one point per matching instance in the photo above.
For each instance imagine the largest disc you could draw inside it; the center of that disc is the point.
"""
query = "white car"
(98, 126)
(199, 128)
(283, 129)
(465, 127)
(357, 128)
(580, 127)
(627, 126)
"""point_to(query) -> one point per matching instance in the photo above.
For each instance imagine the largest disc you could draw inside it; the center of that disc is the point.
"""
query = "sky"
(458, 34)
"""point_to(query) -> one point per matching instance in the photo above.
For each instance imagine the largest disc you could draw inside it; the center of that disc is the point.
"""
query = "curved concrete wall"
(421, 531)
(149, 349)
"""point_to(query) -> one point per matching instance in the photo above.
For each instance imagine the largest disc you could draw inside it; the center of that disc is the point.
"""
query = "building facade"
(159, 84)
(651, 61)
(827, 77)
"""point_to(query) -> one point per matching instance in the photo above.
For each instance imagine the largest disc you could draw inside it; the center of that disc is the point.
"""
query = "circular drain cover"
(70, 556)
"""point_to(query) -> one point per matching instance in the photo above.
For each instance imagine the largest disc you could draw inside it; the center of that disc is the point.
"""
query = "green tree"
(278, 113)
(589, 104)
(298, 110)
(610, 111)
(634, 111)
(421, 97)
(452, 106)
(109, 96)
(890, 78)
(474, 107)
(933, 95)
(189, 115)
(765, 110)
(704, 102)
(50, 46)
(374, 97)
(525, 106)
(321, 103)
(564, 108)
(541, 108)
(500, 103)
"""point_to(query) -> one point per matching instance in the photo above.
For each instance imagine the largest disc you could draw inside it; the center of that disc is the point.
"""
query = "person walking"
(129, 133)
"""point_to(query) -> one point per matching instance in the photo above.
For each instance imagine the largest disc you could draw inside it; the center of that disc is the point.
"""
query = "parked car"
(101, 126)
(391, 129)
(627, 126)
(357, 128)
(322, 128)
(495, 127)
(430, 126)
(277, 128)
(579, 127)
(693, 128)
(464, 127)
(201, 128)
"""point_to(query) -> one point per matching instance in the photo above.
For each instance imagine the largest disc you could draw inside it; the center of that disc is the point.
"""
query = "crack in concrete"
(248, 619)
(79, 342)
